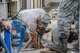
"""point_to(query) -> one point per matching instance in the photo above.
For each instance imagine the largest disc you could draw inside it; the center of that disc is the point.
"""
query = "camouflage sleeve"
(77, 20)
(65, 14)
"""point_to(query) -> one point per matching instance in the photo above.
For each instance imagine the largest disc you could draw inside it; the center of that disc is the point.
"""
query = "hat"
(46, 18)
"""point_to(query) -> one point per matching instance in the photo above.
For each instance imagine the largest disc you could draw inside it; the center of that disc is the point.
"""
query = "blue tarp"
(17, 24)
(7, 40)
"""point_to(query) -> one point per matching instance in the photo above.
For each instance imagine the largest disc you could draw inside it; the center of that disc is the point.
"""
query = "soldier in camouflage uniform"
(68, 10)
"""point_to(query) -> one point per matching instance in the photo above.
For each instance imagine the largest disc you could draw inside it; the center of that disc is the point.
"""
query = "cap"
(46, 18)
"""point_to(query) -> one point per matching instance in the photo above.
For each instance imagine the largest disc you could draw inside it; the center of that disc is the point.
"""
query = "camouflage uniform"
(67, 10)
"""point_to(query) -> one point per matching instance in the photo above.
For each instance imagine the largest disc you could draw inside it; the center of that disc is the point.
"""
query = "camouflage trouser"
(68, 11)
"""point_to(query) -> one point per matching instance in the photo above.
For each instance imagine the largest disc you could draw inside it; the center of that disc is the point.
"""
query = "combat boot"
(56, 48)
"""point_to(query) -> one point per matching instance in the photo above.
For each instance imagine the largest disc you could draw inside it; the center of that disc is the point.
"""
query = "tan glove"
(34, 40)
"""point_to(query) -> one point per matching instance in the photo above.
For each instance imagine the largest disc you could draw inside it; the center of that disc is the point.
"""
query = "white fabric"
(30, 16)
